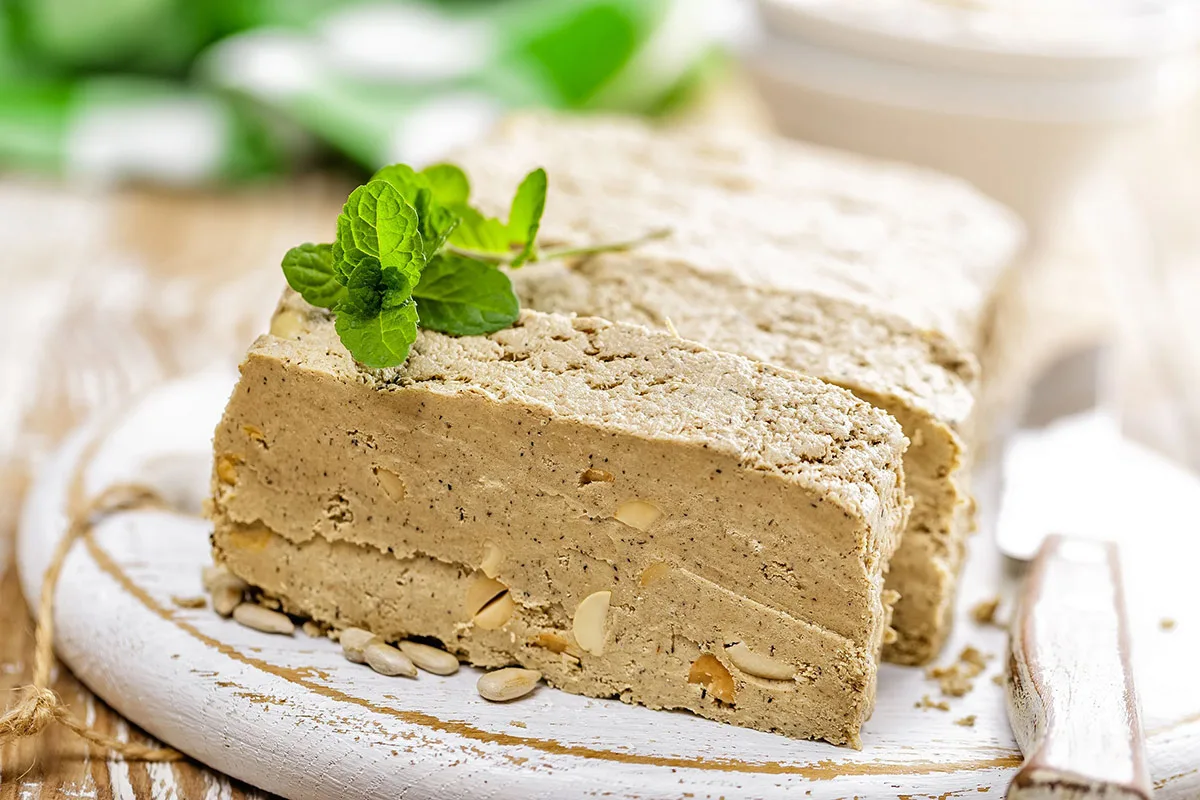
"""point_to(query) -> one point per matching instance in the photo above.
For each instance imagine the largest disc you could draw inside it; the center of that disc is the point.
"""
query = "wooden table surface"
(111, 292)
(114, 293)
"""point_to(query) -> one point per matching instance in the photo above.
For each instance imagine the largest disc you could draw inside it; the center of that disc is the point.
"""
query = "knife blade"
(1071, 697)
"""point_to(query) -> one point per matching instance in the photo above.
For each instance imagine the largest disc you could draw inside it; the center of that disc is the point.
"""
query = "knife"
(1071, 697)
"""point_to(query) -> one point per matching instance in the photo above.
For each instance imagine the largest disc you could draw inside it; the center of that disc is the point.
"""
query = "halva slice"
(877, 277)
(629, 514)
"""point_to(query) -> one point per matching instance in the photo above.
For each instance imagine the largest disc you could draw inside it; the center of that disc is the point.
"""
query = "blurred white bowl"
(1023, 98)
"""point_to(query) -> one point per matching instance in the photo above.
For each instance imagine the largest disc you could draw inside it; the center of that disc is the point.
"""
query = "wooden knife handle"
(1071, 698)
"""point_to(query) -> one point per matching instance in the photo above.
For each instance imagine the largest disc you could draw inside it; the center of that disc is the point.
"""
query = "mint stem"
(478, 255)
(570, 252)
(613, 247)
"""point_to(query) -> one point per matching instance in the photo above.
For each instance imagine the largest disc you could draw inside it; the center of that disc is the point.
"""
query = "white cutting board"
(290, 715)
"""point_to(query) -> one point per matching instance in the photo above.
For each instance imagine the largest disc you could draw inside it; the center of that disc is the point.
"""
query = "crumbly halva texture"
(630, 514)
(873, 276)
(881, 359)
(777, 214)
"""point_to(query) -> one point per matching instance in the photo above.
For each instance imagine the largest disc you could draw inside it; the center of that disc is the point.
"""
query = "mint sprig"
(463, 297)
(309, 270)
(410, 250)
(525, 216)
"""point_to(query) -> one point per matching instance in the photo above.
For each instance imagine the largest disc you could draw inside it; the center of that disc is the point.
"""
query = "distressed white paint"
(119, 779)
(223, 712)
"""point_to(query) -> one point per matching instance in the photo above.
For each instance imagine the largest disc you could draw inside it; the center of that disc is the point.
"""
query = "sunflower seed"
(430, 659)
(272, 603)
(354, 641)
(506, 684)
(263, 619)
(225, 599)
(215, 576)
(210, 575)
(387, 660)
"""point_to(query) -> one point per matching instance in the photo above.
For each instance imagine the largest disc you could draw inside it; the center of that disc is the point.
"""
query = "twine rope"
(39, 705)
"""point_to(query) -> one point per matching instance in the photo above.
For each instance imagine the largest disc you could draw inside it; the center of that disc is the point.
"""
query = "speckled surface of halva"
(877, 277)
(631, 514)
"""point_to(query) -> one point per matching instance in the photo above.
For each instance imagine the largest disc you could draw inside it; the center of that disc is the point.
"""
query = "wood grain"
(186, 279)
(1071, 695)
(59, 764)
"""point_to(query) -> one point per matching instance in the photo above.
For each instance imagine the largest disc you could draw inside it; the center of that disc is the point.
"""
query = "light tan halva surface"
(484, 491)
(874, 276)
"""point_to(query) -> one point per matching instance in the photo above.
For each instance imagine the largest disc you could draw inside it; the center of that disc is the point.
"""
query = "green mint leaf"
(464, 297)
(385, 275)
(391, 298)
(479, 233)
(345, 253)
(364, 289)
(309, 270)
(525, 216)
(404, 179)
(449, 184)
(372, 286)
(437, 221)
(384, 225)
(382, 339)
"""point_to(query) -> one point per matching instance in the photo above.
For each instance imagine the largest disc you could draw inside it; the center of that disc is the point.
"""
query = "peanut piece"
(590, 625)
(492, 558)
(227, 469)
(493, 616)
(653, 573)
(552, 642)
(711, 673)
(593, 475)
(482, 590)
(391, 483)
(638, 514)
(288, 324)
(759, 665)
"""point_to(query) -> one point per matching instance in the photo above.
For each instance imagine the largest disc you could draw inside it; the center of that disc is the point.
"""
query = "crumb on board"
(984, 612)
(966, 722)
(189, 602)
(928, 702)
(998, 679)
(1166, 624)
(973, 661)
(516, 723)
(955, 679)
(951, 680)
